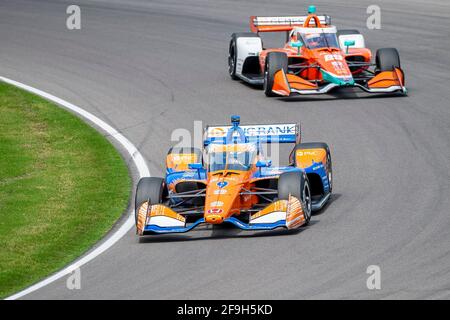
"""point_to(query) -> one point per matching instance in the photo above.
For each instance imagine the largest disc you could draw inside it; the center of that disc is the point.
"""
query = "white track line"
(138, 160)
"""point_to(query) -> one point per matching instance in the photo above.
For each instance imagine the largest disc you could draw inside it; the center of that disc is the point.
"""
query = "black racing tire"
(296, 183)
(232, 52)
(148, 188)
(275, 61)
(346, 32)
(387, 59)
(316, 145)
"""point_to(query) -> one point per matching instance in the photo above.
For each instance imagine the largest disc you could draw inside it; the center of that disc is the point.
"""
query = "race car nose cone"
(213, 219)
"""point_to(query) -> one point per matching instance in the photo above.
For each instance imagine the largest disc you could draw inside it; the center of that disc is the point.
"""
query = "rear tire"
(296, 184)
(232, 52)
(275, 61)
(148, 188)
(387, 59)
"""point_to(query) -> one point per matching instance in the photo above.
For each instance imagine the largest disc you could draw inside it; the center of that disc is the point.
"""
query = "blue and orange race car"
(231, 182)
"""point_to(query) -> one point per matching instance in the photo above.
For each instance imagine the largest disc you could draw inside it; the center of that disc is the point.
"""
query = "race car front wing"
(160, 219)
(383, 82)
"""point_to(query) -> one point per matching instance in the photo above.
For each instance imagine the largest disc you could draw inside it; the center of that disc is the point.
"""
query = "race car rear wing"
(275, 24)
(264, 133)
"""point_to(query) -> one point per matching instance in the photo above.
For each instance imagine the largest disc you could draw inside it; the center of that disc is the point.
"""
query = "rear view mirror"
(349, 43)
(296, 44)
(195, 166)
(263, 164)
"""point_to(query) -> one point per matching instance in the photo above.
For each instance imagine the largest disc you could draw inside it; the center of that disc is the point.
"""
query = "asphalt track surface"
(150, 67)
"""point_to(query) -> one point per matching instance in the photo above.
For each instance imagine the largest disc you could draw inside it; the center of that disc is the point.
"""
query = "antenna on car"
(235, 121)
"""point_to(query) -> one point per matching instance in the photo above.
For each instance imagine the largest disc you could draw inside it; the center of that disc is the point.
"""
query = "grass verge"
(62, 187)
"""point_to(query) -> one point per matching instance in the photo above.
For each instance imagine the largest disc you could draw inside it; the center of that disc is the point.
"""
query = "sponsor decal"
(270, 130)
(216, 204)
(189, 174)
(273, 171)
(252, 131)
(306, 153)
(329, 57)
(183, 157)
(217, 132)
(215, 210)
(220, 191)
(339, 67)
(222, 184)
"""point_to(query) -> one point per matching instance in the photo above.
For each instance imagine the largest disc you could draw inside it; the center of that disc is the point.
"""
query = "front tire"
(296, 184)
(148, 189)
(275, 61)
(387, 59)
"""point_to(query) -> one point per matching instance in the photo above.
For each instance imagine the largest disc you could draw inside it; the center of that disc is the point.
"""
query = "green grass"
(62, 187)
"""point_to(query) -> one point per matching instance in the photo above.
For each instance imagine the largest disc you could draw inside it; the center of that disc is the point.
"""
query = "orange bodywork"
(224, 200)
(223, 192)
(319, 69)
(147, 213)
(223, 197)
(300, 83)
(295, 216)
(318, 66)
(283, 83)
(319, 56)
(228, 192)
(329, 59)
(387, 79)
(307, 157)
(181, 161)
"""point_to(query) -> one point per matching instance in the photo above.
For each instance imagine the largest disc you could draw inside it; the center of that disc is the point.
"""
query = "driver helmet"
(314, 39)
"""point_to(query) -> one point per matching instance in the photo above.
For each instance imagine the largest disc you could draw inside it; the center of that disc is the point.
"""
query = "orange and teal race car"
(231, 182)
(316, 58)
